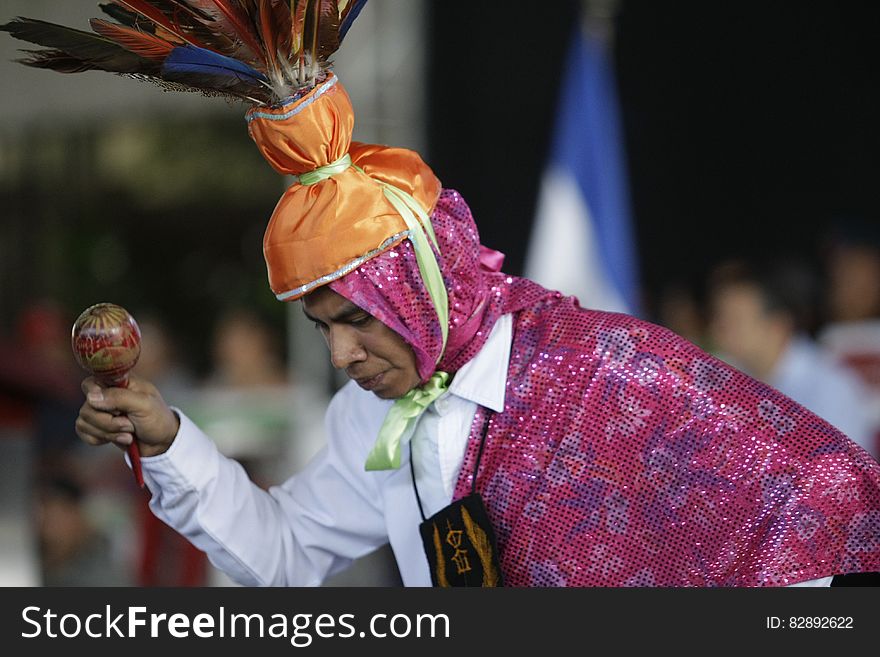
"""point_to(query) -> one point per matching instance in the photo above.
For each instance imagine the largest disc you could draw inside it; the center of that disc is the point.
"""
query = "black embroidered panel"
(460, 545)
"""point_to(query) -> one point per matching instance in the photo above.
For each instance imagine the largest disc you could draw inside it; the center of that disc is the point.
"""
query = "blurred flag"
(582, 240)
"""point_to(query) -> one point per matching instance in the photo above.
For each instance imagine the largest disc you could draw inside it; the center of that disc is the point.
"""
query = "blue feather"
(185, 61)
(349, 18)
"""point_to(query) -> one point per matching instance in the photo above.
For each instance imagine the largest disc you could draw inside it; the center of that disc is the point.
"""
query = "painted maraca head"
(106, 342)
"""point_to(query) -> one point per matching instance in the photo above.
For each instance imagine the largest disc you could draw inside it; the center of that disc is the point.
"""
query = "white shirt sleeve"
(815, 583)
(295, 534)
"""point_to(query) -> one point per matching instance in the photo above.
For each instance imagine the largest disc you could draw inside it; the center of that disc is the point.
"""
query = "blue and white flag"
(582, 240)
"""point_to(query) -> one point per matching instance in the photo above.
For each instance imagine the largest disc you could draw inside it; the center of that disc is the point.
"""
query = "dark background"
(750, 127)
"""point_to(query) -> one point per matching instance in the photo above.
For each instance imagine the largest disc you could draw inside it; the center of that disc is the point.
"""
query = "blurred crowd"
(809, 327)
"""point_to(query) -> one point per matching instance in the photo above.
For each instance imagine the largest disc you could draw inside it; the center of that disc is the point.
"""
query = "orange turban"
(320, 232)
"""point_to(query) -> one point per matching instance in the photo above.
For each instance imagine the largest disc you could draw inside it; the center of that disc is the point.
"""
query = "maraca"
(106, 342)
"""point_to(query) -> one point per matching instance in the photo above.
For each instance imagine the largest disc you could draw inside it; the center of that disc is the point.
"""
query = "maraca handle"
(134, 454)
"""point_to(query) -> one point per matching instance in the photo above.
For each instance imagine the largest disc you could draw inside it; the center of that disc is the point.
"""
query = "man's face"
(740, 326)
(376, 357)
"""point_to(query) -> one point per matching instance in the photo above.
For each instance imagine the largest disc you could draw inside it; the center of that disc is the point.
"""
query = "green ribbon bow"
(401, 421)
(324, 172)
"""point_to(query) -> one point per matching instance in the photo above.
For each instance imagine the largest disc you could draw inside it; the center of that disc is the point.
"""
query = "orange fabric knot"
(316, 231)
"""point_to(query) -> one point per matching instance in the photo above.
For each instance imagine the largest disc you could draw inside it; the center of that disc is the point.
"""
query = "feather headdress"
(351, 201)
(264, 51)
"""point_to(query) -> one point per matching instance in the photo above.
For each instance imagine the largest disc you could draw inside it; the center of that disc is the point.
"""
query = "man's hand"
(117, 415)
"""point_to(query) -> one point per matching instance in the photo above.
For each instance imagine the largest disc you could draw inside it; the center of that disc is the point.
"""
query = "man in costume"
(578, 448)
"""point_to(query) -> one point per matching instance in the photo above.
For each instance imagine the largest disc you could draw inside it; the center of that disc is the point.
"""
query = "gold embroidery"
(453, 537)
(462, 565)
(480, 541)
(441, 562)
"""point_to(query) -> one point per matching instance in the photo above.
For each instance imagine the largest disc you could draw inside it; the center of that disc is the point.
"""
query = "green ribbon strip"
(408, 208)
(324, 172)
(401, 421)
(402, 418)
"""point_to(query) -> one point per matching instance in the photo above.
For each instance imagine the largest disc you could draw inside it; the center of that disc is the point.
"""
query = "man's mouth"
(368, 383)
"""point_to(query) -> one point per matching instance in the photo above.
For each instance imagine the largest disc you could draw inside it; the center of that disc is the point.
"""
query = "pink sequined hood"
(390, 288)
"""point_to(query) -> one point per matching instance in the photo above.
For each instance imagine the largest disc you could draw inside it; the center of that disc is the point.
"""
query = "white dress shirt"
(332, 512)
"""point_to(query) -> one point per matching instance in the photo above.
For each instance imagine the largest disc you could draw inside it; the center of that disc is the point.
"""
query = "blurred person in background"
(44, 378)
(678, 309)
(160, 359)
(245, 398)
(38, 399)
(247, 351)
(762, 315)
(39, 365)
(852, 329)
(74, 550)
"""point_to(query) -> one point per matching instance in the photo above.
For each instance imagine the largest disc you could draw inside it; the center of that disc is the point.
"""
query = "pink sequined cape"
(625, 455)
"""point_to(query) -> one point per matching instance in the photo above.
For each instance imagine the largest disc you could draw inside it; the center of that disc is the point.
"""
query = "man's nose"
(345, 347)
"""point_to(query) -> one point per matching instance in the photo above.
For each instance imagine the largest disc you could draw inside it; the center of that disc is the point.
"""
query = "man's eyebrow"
(346, 312)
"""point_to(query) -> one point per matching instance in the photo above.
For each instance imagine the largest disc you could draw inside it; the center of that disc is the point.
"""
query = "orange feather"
(140, 43)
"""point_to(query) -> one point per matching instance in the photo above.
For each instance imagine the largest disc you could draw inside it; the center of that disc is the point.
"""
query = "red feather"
(146, 9)
(279, 14)
(298, 9)
(186, 7)
(140, 43)
(240, 20)
(327, 33)
(267, 33)
(204, 26)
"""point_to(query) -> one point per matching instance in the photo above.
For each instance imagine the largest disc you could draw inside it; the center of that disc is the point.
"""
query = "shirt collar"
(483, 379)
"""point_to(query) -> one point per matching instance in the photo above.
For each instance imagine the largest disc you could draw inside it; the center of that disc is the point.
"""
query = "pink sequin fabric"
(625, 455)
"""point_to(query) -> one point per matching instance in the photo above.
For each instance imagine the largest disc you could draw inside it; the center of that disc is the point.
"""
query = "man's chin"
(390, 392)
(388, 387)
